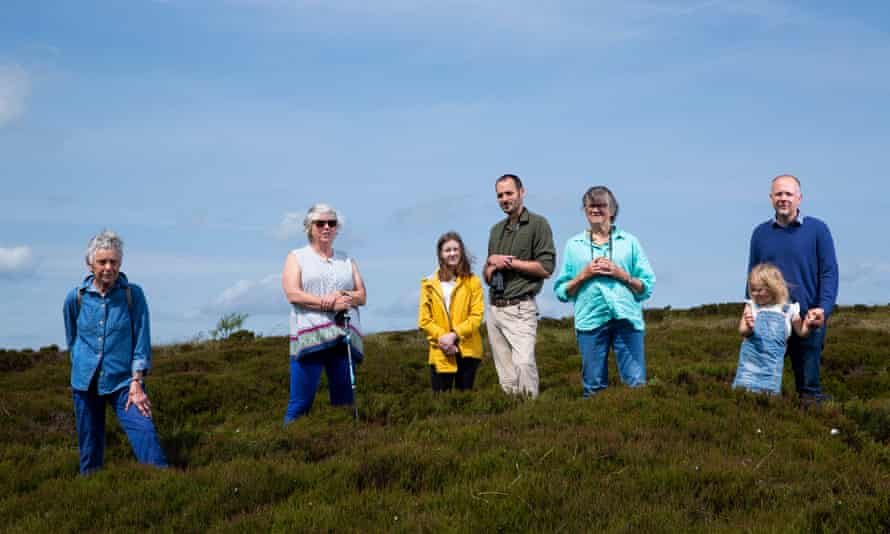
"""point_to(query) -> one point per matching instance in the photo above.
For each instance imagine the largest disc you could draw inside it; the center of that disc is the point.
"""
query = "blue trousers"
(806, 356)
(305, 375)
(620, 335)
(89, 412)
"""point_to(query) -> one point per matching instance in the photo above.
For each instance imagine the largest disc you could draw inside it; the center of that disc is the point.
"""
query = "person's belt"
(500, 303)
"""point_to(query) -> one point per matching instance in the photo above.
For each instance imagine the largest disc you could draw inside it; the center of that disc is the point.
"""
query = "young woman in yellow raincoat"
(450, 314)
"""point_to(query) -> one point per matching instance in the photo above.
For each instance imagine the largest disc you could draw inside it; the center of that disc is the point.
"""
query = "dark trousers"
(89, 413)
(463, 378)
(806, 356)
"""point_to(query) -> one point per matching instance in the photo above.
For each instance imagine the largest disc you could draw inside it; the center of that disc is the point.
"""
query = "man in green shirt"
(521, 255)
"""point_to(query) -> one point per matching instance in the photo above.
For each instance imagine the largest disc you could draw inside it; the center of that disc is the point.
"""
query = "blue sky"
(202, 130)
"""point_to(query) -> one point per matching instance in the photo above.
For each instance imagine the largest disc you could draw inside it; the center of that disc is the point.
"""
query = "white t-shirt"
(447, 289)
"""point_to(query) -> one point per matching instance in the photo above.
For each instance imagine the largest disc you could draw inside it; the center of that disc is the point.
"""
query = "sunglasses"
(321, 224)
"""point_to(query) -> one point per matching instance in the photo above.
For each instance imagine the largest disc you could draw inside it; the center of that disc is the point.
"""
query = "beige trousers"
(512, 331)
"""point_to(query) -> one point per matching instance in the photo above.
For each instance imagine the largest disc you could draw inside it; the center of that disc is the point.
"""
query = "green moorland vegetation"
(686, 453)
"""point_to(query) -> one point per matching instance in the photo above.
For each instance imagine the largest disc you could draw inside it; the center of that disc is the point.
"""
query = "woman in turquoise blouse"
(606, 276)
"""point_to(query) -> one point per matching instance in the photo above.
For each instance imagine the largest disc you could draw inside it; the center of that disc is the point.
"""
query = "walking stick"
(351, 368)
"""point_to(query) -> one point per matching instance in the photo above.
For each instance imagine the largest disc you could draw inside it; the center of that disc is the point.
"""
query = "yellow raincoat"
(465, 318)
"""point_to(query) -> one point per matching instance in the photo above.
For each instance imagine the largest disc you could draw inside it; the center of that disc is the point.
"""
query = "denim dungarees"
(762, 354)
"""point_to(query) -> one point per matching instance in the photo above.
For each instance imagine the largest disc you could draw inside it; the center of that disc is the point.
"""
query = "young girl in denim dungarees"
(765, 326)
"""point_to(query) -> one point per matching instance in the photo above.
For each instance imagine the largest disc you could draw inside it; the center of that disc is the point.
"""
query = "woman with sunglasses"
(325, 289)
(606, 276)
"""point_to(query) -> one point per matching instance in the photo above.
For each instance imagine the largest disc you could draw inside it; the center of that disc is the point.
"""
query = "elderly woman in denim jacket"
(109, 340)
(606, 275)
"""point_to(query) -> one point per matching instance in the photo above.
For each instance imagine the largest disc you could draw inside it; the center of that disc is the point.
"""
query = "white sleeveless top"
(320, 276)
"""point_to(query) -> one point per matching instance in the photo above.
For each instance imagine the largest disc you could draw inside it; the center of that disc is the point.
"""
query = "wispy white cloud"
(400, 309)
(16, 261)
(436, 210)
(14, 90)
(537, 24)
(866, 273)
(258, 297)
(290, 227)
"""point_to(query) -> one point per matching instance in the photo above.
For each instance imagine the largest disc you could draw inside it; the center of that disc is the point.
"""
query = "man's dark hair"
(516, 181)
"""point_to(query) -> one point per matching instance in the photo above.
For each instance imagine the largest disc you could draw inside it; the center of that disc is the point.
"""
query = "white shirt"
(447, 290)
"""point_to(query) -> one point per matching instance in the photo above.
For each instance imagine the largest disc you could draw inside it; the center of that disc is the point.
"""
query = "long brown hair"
(464, 267)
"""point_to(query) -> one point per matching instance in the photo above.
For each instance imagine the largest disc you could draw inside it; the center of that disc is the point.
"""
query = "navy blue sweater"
(804, 252)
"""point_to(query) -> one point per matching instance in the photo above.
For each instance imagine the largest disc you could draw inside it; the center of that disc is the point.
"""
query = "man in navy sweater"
(802, 248)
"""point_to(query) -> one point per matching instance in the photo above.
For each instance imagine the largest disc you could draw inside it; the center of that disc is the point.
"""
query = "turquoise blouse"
(601, 299)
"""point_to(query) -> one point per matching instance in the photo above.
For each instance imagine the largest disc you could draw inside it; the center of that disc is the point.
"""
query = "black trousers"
(463, 378)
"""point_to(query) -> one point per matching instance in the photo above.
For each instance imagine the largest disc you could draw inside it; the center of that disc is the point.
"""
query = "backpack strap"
(79, 299)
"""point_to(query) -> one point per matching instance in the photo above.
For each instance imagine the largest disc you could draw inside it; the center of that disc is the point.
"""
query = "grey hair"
(104, 240)
(795, 178)
(314, 214)
(600, 192)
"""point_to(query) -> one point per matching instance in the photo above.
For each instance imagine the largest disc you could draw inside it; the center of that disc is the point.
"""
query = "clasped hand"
(337, 301)
(815, 317)
(448, 343)
(603, 266)
(501, 261)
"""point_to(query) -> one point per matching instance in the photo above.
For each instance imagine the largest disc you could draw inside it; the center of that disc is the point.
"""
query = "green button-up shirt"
(530, 239)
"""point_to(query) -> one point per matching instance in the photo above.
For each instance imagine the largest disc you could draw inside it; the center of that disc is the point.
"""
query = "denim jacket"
(101, 337)
(602, 299)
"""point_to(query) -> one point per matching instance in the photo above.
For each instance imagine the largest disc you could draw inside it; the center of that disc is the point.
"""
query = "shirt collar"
(797, 221)
(617, 233)
(87, 283)
(523, 217)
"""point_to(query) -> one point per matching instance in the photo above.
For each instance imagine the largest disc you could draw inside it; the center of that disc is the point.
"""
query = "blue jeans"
(806, 355)
(620, 335)
(305, 374)
(89, 412)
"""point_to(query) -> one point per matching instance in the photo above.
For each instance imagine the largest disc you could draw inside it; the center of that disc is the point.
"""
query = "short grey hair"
(795, 178)
(104, 240)
(315, 213)
(598, 193)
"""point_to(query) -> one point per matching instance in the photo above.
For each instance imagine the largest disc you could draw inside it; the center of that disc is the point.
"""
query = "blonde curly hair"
(769, 276)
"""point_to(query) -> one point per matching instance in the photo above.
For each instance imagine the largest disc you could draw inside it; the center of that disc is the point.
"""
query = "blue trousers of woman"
(305, 374)
(89, 412)
(620, 335)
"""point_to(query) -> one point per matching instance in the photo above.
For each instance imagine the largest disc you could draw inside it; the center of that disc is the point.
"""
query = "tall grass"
(685, 453)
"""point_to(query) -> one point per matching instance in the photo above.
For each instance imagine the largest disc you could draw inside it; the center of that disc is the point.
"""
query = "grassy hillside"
(685, 453)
